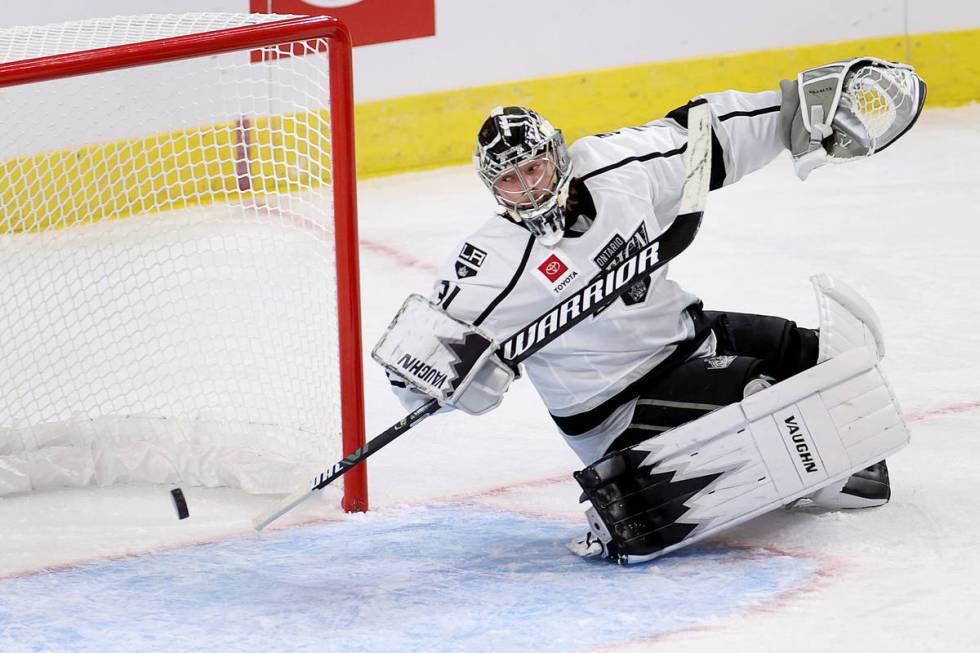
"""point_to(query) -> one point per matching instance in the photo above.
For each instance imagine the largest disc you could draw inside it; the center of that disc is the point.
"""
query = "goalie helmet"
(524, 162)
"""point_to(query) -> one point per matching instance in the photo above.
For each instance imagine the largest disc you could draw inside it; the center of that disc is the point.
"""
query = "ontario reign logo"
(615, 252)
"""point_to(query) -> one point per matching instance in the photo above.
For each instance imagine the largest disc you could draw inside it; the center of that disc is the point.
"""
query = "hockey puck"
(180, 504)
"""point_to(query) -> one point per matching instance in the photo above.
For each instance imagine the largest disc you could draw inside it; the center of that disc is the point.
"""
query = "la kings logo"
(719, 362)
(469, 261)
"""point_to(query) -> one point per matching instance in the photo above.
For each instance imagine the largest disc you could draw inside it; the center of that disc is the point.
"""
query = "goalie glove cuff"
(486, 387)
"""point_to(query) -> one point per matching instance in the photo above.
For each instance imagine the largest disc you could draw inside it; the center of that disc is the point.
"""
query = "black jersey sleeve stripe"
(510, 286)
(748, 114)
(641, 158)
(681, 119)
(449, 300)
(679, 115)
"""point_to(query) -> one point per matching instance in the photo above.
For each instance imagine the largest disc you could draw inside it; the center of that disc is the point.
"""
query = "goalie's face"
(527, 185)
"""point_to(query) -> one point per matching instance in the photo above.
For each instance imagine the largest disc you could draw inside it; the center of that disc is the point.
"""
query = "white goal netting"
(168, 284)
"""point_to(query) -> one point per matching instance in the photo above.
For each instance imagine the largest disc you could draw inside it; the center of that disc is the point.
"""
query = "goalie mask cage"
(178, 253)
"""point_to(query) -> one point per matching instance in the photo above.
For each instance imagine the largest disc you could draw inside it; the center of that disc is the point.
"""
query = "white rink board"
(515, 40)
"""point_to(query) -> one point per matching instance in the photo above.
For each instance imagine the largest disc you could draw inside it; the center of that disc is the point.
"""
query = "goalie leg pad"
(847, 320)
(780, 444)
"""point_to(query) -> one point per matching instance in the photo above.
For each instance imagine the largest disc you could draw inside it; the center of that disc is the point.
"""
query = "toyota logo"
(553, 268)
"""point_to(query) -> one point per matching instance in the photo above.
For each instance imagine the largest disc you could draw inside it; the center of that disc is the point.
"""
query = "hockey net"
(178, 254)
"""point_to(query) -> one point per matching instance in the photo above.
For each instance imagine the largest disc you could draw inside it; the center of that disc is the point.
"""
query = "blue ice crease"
(441, 578)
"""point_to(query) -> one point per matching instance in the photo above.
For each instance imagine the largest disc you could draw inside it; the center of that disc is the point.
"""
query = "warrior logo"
(598, 293)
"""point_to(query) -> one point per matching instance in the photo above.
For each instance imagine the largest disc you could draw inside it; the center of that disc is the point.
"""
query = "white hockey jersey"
(500, 278)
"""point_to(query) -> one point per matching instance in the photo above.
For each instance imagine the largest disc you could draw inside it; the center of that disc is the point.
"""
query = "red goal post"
(278, 37)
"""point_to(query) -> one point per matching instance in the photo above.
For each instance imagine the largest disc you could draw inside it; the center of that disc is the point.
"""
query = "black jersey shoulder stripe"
(679, 115)
(510, 286)
(641, 158)
(749, 114)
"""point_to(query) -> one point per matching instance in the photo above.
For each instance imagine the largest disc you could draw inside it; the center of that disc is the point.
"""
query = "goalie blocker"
(803, 436)
(443, 358)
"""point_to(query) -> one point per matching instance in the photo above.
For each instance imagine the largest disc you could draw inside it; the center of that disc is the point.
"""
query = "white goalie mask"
(524, 162)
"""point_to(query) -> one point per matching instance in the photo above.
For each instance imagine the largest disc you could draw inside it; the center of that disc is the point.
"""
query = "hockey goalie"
(688, 420)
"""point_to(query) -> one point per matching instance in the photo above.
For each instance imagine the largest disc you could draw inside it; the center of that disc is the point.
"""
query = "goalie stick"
(599, 293)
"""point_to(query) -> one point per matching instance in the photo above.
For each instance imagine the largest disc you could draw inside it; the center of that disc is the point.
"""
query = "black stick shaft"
(375, 444)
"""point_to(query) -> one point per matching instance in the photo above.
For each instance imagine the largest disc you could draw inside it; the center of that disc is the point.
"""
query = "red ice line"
(400, 257)
(943, 410)
(322, 233)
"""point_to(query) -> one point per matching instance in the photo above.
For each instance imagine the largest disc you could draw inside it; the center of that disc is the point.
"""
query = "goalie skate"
(867, 488)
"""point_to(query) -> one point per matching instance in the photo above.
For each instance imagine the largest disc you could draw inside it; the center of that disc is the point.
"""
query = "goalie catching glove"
(441, 357)
(848, 109)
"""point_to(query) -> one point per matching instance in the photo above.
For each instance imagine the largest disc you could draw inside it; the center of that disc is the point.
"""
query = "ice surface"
(464, 548)
(424, 579)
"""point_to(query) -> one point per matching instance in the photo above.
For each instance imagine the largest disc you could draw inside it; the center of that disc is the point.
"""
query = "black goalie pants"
(749, 347)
